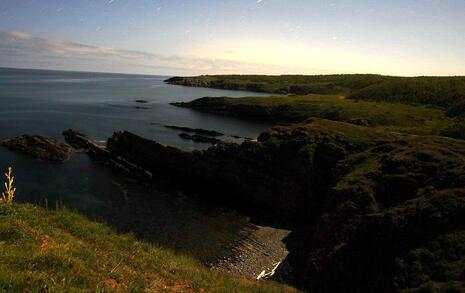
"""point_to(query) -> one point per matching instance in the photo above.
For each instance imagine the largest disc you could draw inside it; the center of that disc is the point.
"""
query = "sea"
(48, 102)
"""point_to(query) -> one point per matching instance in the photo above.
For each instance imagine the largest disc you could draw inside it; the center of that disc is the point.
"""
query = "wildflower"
(10, 190)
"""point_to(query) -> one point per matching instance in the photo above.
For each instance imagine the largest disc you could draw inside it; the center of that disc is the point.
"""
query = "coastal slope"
(382, 209)
(60, 251)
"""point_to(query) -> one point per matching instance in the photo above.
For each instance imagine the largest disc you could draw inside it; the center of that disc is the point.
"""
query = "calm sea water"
(48, 102)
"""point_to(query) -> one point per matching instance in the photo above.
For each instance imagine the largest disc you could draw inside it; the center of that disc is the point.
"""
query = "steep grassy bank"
(60, 251)
(385, 209)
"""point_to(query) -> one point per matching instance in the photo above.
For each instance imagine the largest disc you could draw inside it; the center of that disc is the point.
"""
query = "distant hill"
(284, 84)
(444, 92)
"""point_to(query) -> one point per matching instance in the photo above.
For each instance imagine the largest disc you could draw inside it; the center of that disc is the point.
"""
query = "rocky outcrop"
(39, 147)
(99, 153)
(283, 170)
(80, 141)
(199, 138)
(385, 210)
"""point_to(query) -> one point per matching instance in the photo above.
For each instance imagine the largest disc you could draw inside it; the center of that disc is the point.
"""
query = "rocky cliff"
(385, 210)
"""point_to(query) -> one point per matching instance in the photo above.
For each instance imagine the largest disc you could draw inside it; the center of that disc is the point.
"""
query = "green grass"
(296, 84)
(420, 120)
(445, 92)
(61, 251)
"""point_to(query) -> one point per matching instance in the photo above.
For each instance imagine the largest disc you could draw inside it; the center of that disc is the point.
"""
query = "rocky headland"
(370, 210)
(373, 211)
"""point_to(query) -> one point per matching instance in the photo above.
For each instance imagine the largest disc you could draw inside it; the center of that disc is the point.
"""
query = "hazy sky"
(398, 37)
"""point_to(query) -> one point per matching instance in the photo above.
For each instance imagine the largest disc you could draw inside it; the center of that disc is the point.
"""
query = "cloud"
(19, 49)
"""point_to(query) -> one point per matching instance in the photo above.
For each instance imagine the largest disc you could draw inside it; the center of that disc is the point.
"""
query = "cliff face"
(385, 210)
(285, 173)
(393, 220)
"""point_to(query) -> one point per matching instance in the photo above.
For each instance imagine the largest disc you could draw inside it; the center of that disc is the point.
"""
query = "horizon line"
(246, 74)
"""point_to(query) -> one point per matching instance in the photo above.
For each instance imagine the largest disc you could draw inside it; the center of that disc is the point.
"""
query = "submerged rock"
(141, 101)
(39, 147)
(199, 131)
(199, 138)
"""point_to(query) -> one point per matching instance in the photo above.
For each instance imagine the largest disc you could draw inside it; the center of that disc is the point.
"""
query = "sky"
(174, 37)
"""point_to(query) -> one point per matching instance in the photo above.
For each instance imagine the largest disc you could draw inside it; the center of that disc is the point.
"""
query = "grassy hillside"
(388, 116)
(60, 251)
(445, 92)
(284, 84)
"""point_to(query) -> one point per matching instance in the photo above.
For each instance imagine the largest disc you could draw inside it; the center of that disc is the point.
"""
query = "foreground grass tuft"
(9, 194)
(61, 251)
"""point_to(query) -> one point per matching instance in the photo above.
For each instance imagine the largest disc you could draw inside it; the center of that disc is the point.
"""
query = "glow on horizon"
(302, 58)
(409, 37)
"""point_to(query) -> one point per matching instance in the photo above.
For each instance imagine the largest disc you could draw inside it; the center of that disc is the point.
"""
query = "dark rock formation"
(98, 153)
(385, 210)
(142, 101)
(198, 131)
(199, 138)
(250, 111)
(160, 160)
(80, 141)
(39, 147)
